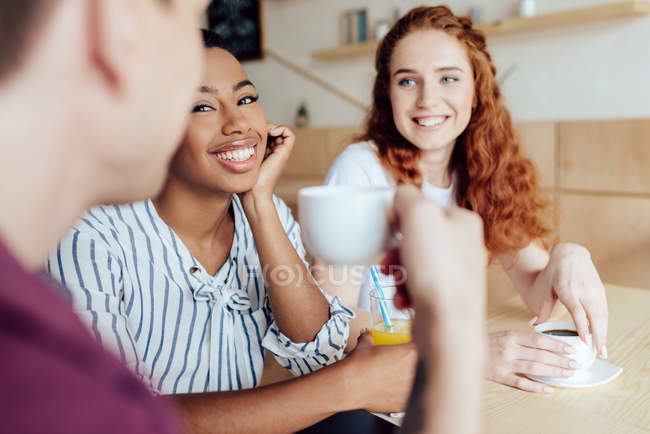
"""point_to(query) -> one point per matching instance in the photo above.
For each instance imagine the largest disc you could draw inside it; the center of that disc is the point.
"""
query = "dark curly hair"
(213, 40)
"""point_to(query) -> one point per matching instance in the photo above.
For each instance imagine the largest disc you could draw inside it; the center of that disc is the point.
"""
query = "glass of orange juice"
(398, 331)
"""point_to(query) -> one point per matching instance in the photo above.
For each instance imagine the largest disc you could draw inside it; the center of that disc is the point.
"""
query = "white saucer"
(599, 373)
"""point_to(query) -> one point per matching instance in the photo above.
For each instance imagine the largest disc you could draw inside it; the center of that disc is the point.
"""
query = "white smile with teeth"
(430, 121)
(237, 155)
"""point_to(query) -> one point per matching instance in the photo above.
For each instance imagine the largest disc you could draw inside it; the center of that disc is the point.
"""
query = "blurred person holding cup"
(442, 261)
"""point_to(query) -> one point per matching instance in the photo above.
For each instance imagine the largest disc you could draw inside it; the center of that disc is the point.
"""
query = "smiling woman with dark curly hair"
(438, 121)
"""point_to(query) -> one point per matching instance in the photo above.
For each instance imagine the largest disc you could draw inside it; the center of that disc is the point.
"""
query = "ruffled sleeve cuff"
(326, 348)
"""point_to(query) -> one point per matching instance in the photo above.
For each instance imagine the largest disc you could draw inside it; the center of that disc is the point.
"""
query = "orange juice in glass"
(398, 331)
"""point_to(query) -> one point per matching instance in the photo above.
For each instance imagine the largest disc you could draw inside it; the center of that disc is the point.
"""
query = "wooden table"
(618, 407)
(621, 406)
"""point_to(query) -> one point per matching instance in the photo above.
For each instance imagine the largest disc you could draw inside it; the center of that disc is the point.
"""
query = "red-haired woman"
(438, 121)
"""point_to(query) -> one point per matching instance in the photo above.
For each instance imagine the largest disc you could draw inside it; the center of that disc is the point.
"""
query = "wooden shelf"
(571, 17)
(513, 25)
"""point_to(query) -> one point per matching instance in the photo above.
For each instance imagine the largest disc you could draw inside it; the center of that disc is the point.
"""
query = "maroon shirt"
(54, 378)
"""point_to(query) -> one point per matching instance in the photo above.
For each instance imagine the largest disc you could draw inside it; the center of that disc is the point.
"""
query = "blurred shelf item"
(514, 25)
(565, 18)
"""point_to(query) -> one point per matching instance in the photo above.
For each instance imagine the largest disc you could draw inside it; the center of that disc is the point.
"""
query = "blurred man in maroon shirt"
(93, 99)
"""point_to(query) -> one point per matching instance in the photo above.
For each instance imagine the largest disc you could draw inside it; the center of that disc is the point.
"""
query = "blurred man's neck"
(38, 200)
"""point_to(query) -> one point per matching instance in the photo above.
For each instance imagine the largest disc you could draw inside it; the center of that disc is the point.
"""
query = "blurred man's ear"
(111, 32)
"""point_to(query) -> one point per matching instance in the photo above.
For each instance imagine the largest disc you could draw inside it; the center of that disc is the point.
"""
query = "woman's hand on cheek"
(570, 276)
(278, 148)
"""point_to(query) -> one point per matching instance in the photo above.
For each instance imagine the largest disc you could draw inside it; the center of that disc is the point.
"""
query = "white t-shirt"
(359, 165)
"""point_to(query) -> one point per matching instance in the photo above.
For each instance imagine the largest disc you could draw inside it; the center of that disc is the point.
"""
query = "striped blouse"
(144, 296)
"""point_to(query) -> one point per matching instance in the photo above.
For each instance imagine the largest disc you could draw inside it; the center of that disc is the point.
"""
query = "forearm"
(447, 393)
(282, 407)
(344, 282)
(525, 269)
(299, 307)
(357, 324)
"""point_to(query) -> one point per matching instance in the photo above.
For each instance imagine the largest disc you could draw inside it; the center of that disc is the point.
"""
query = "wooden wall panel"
(598, 172)
(316, 149)
(538, 143)
(616, 230)
(288, 186)
(607, 156)
(312, 155)
(308, 152)
(339, 139)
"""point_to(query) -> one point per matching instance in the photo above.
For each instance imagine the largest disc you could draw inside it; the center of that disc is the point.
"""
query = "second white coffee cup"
(566, 332)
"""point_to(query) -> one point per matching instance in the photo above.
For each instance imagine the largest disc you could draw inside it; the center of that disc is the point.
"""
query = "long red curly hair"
(491, 176)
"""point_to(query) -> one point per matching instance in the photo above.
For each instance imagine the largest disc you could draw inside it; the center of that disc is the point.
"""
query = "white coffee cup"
(345, 224)
(585, 354)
